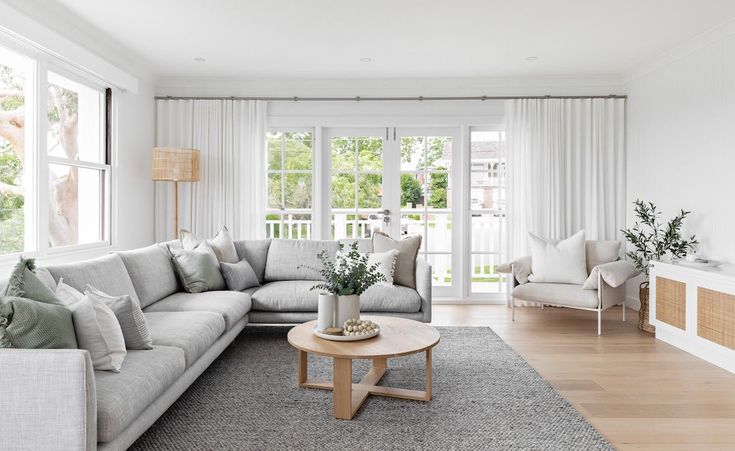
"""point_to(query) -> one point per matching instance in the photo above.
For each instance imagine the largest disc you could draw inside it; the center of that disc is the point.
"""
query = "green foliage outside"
(12, 220)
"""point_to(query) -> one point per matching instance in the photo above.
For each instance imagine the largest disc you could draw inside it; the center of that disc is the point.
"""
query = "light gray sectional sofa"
(53, 399)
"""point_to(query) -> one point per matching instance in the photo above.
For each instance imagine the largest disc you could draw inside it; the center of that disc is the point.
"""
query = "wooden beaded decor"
(671, 302)
(716, 316)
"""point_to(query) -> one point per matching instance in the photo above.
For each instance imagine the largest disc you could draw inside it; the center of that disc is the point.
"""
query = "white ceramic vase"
(348, 307)
(326, 311)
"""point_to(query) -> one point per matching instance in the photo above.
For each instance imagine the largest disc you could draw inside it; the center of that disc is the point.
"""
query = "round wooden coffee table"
(398, 337)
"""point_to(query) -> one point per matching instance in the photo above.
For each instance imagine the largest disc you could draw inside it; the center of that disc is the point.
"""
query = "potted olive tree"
(347, 277)
(652, 240)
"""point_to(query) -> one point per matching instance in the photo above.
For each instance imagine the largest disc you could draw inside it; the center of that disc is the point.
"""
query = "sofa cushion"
(106, 273)
(256, 253)
(558, 261)
(287, 296)
(232, 305)
(390, 298)
(404, 272)
(151, 272)
(194, 332)
(601, 251)
(144, 376)
(297, 296)
(556, 293)
(297, 259)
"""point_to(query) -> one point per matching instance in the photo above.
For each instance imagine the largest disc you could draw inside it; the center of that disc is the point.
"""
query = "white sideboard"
(694, 309)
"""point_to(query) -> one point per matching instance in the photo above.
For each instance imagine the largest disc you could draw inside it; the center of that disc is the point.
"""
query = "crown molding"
(681, 51)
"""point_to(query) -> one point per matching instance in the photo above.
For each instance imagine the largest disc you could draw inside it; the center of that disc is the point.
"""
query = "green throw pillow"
(24, 283)
(27, 324)
(197, 269)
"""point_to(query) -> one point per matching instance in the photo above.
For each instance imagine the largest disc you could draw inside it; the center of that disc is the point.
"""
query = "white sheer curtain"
(566, 169)
(231, 137)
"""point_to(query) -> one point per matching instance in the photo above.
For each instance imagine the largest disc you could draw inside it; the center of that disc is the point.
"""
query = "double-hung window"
(54, 152)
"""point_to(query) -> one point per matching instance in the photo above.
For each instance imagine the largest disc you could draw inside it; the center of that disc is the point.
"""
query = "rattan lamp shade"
(174, 164)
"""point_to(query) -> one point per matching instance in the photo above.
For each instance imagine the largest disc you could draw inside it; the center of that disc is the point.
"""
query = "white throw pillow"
(386, 262)
(96, 328)
(562, 262)
(221, 244)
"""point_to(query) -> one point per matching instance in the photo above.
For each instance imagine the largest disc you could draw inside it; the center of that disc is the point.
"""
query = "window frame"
(36, 167)
(283, 211)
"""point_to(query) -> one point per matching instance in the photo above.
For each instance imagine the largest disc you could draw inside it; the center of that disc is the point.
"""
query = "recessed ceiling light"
(365, 60)
(199, 59)
(531, 58)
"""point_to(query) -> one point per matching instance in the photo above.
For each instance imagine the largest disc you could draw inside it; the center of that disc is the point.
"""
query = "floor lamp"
(171, 164)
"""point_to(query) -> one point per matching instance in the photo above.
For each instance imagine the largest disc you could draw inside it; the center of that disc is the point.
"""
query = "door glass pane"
(297, 151)
(74, 120)
(438, 188)
(370, 191)
(291, 226)
(298, 191)
(412, 190)
(370, 156)
(441, 269)
(413, 149)
(486, 232)
(275, 186)
(14, 80)
(75, 212)
(343, 191)
(485, 277)
(274, 150)
(346, 225)
(438, 232)
(438, 153)
(343, 154)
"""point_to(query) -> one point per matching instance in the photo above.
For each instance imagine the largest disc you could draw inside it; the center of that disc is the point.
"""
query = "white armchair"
(603, 289)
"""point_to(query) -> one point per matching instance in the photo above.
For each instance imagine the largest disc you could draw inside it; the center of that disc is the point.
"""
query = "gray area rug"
(485, 396)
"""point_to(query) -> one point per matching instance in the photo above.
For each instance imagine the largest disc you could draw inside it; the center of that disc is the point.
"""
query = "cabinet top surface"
(726, 270)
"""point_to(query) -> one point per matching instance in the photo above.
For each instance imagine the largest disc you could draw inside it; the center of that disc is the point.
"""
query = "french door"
(398, 180)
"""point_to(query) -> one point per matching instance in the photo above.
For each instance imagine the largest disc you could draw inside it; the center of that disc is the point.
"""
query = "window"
(290, 185)
(55, 198)
(487, 210)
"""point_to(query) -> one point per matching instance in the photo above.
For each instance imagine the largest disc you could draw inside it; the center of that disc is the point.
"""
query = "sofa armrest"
(520, 268)
(48, 399)
(423, 287)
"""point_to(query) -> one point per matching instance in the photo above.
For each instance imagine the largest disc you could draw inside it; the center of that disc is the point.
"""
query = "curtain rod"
(383, 99)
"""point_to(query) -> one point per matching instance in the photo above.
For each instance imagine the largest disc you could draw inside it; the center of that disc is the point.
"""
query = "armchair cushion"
(563, 294)
(613, 273)
(601, 251)
(520, 268)
(562, 262)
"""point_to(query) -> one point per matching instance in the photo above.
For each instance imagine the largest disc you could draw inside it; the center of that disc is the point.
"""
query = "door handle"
(385, 212)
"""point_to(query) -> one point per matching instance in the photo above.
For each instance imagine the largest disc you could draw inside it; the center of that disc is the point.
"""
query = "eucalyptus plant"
(349, 273)
(653, 240)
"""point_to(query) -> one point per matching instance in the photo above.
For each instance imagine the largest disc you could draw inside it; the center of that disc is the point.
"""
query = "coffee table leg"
(342, 395)
(427, 380)
(303, 368)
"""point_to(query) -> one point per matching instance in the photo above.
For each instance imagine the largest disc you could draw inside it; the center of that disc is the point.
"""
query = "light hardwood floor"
(640, 393)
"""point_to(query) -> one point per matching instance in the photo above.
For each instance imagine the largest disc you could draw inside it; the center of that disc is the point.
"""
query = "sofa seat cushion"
(287, 296)
(557, 294)
(194, 332)
(232, 305)
(390, 298)
(145, 375)
(297, 296)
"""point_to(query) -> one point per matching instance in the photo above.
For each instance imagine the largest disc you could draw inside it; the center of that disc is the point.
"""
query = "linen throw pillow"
(96, 327)
(24, 283)
(197, 269)
(239, 276)
(558, 262)
(28, 324)
(127, 310)
(386, 262)
(408, 249)
(221, 244)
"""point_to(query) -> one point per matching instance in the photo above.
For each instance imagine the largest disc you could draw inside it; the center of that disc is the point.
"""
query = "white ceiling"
(403, 38)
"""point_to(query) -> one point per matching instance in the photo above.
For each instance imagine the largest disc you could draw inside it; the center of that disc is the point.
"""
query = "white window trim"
(39, 160)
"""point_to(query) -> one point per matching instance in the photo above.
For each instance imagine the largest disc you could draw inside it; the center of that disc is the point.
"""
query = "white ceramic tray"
(375, 333)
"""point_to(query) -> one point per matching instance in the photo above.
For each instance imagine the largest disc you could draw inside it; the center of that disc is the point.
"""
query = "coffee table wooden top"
(397, 337)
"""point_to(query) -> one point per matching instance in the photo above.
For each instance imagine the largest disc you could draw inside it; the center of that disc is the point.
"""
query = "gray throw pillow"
(408, 249)
(24, 283)
(28, 324)
(197, 269)
(239, 276)
(221, 244)
(131, 318)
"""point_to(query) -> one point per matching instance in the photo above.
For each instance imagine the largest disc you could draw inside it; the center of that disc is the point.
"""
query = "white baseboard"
(633, 302)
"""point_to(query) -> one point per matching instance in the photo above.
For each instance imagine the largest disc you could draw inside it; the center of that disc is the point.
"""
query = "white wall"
(681, 140)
